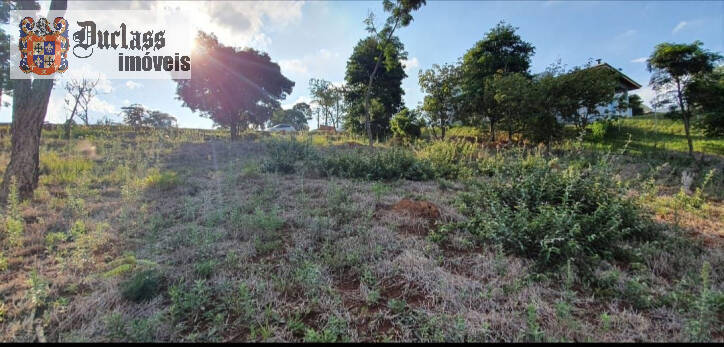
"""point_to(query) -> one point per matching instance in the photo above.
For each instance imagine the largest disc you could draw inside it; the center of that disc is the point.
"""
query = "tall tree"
(387, 89)
(324, 96)
(30, 104)
(442, 103)
(500, 51)
(234, 87)
(400, 16)
(674, 66)
(80, 92)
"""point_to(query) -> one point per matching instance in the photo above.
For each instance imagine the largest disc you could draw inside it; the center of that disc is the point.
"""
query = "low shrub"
(142, 286)
(537, 210)
(285, 154)
(450, 159)
(162, 180)
(380, 164)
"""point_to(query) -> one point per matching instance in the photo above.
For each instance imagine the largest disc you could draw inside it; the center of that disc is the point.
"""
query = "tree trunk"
(443, 132)
(492, 130)
(30, 103)
(234, 131)
(686, 116)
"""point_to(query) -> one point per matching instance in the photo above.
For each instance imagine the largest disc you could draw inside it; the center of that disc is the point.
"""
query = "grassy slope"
(247, 255)
(649, 134)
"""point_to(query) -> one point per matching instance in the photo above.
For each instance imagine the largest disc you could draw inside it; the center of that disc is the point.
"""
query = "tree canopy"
(387, 89)
(234, 87)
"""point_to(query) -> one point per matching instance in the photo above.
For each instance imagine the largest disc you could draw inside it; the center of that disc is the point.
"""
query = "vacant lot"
(186, 237)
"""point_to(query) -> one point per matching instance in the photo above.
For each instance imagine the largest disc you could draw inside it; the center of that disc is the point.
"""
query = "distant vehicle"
(281, 128)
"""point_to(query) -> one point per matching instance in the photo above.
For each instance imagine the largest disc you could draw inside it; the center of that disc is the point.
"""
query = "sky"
(314, 39)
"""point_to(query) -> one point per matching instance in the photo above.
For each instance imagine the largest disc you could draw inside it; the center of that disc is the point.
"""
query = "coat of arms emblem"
(43, 50)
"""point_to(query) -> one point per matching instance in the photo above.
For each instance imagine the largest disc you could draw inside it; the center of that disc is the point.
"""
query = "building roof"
(627, 81)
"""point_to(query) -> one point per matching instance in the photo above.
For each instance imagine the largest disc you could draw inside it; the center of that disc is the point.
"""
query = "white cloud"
(101, 106)
(639, 60)
(679, 26)
(293, 66)
(133, 85)
(411, 64)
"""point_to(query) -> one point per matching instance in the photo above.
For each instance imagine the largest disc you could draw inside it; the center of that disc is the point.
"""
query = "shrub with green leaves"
(142, 286)
(550, 214)
(450, 159)
(284, 155)
(380, 164)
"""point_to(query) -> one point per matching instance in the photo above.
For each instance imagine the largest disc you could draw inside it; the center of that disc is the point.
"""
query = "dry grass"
(253, 256)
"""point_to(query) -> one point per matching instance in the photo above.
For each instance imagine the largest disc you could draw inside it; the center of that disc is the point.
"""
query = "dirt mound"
(421, 209)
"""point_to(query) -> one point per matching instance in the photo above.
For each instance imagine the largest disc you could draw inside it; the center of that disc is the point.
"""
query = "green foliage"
(284, 155)
(386, 88)
(450, 159)
(64, 170)
(599, 129)
(142, 286)
(443, 104)
(14, 223)
(166, 180)
(405, 124)
(389, 164)
(552, 215)
(709, 304)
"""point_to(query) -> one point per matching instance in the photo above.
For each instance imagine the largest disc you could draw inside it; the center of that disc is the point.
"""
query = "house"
(625, 85)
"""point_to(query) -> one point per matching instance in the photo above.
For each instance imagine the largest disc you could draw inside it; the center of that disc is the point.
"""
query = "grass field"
(185, 236)
(657, 134)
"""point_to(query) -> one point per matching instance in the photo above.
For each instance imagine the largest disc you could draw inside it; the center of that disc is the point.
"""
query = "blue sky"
(315, 39)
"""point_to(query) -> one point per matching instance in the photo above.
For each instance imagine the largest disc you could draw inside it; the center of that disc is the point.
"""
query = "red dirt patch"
(421, 209)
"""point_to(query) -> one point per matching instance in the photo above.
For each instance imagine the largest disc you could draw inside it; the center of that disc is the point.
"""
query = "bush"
(284, 155)
(163, 181)
(380, 164)
(552, 215)
(450, 159)
(599, 129)
(405, 124)
(142, 286)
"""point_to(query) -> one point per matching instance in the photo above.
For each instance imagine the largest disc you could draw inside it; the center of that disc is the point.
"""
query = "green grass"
(649, 134)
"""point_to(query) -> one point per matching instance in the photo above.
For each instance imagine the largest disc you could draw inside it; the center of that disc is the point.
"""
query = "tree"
(134, 115)
(513, 95)
(400, 16)
(324, 96)
(442, 104)
(406, 124)
(234, 87)
(583, 92)
(636, 104)
(706, 95)
(294, 117)
(502, 51)
(674, 66)
(545, 92)
(159, 120)
(387, 89)
(30, 104)
(79, 94)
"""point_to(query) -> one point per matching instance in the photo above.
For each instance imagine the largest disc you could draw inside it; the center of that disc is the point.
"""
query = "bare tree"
(80, 94)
